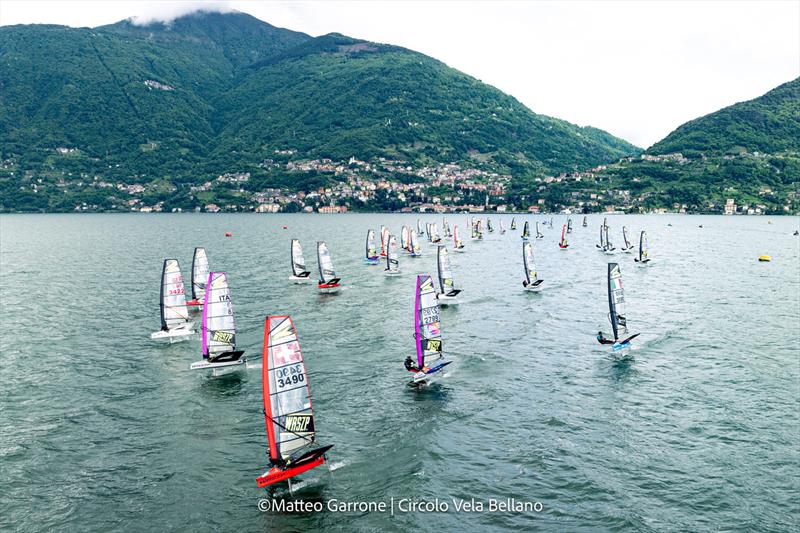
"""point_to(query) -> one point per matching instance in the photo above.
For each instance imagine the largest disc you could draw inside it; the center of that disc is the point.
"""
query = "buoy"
(286, 227)
(228, 234)
(764, 258)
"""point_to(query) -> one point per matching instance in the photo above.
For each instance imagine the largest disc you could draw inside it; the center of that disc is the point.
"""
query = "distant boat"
(609, 249)
(569, 225)
(585, 223)
(413, 245)
(299, 272)
(642, 257)
(489, 227)
(384, 239)
(427, 331)
(616, 312)
(502, 227)
(458, 246)
(563, 244)
(404, 238)
(448, 291)
(433, 233)
(392, 258)
(199, 277)
(476, 234)
(539, 234)
(526, 231)
(291, 431)
(627, 246)
(446, 228)
(371, 251)
(532, 281)
(328, 282)
(219, 328)
(419, 228)
(513, 223)
(175, 324)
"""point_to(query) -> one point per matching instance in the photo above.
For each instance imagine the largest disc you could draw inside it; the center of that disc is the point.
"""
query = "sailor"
(411, 367)
(602, 338)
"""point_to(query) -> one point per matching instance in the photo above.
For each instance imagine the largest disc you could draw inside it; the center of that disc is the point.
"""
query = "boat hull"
(299, 279)
(275, 474)
(176, 334)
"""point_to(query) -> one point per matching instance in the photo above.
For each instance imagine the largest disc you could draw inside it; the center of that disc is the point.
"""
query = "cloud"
(166, 12)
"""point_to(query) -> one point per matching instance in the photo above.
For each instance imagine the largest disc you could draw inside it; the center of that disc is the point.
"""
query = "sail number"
(179, 290)
(290, 375)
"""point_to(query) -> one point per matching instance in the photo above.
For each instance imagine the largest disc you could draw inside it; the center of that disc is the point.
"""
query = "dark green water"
(103, 429)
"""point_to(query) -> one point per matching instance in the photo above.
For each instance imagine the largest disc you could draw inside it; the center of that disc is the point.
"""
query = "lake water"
(103, 429)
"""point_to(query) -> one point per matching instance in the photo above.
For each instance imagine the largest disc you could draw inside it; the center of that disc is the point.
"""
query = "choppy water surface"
(103, 429)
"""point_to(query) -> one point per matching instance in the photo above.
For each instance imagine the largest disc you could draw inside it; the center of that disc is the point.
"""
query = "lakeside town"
(390, 185)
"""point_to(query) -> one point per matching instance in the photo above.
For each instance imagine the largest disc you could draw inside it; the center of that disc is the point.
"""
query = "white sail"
(392, 256)
(616, 302)
(529, 264)
(446, 281)
(413, 243)
(219, 326)
(326, 271)
(199, 274)
(174, 312)
(298, 261)
(404, 238)
(428, 331)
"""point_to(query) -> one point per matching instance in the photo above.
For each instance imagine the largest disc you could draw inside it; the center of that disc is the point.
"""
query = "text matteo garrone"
(403, 505)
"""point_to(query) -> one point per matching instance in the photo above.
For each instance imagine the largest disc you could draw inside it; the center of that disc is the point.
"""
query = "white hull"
(178, 334)
(459, 250)
(298, 280)
(220, 368)
(639, 263)
(533, 288)
(391, 273)
(447, 300)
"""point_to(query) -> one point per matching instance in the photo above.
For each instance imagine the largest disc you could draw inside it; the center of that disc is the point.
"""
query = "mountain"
(767, 124)
(175, 104)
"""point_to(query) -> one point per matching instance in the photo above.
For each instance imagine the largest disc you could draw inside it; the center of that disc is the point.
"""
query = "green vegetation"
(215, 93)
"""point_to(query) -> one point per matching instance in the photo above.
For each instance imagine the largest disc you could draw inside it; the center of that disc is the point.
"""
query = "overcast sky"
(635, 69)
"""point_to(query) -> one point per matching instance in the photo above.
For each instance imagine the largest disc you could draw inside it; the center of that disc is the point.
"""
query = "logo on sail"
(303, 423)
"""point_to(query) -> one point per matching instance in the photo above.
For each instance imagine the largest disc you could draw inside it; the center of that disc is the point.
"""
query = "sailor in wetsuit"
(602, 338)
(411, 367)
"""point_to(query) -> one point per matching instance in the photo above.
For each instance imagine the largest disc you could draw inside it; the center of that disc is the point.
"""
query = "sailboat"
(642, 259)
(458, 246)
(489, 227)
(627, 246)
(448, 293)
(175, 324)
(563, 244)
(404, 238)
(392, 258)
(616, 312)
(526, 231)
(502, 227)
(476, 234)
(299, 272)
(446, 228)
(539, 234)
(419, 228)
(532, 281)
(602, 244)
(199, 277)
(384, 239)
(609, 249)
(370, 251)
(328, 282)
(585, 223)
(427, 331)
(289, 417)
(219, 327)
(433, 233)
(569, 225)
(513, 223)
(413, 245)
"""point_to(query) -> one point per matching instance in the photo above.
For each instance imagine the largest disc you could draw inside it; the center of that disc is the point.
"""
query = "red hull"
(327, 285)
(277, 474)
(194, 303)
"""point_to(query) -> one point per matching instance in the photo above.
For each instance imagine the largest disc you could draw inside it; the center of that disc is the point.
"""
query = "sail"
(602, 237)
(419, 228)
(199, 274)
(530, 265)
(428, 231)
(326, 271)
(643, 246)
(526, 230)
(473, 229)
(489, 225)
(616, 302)
(563, 242)
(404, 238)
(625, 237)
(392, 261)
(384, 239)
(413, 243)
(427, 329)
(538, 233)
(456, 238)
(219, 327)
(298, 261)
(434, 233)
(584, 222)
(286, 394)
(173, 300)
(502, 226)
(513, 223)
(445, 228)
(569, 225)
(446, 282)
(608, 241)
(370, 251)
